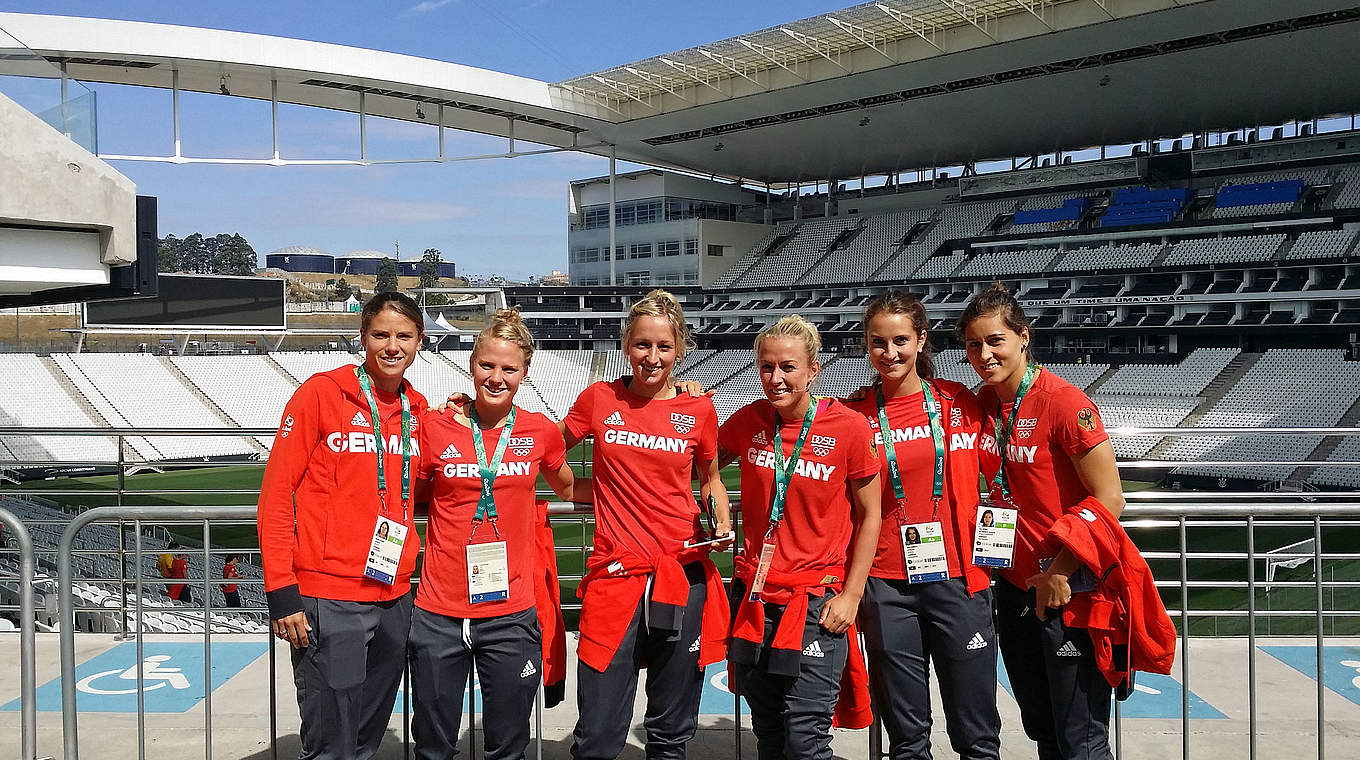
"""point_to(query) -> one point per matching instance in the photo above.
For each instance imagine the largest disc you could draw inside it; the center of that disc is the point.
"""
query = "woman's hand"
(839, 612)
(293, 629)
(692, 387)
(1050, 592)
(456, 401)
(724, 528)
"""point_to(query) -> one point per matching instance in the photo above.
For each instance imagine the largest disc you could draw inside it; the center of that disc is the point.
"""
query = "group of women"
(856, 514)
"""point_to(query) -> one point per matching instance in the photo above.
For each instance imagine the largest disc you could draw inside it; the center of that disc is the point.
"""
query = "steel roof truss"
(917, 26)
(665, 83)
(978, 18)
(773, 55)
(696, 74)
(628, 91)
(820, 47)
(1037, 9)
(870, 39)
(600, 99)
(733, 65)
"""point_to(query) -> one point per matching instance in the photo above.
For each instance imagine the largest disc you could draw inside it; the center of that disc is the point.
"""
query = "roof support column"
(65, 115)
(274, 113)
(613, 206)
(174, 108)
(363, 135)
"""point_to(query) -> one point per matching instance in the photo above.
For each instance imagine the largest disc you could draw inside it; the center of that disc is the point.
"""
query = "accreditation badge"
(923, 547)
(994, 533)
(762, 569)
(488, 572)
(384, 552)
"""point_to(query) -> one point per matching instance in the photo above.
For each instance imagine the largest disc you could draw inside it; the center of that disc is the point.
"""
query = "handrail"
(28, 688)
(65, 595)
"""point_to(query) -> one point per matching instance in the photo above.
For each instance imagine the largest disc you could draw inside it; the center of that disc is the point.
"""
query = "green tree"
(167, 254)
(193, 254)
(387, 277)
(233, 255)
(342, 290)
(429, 276)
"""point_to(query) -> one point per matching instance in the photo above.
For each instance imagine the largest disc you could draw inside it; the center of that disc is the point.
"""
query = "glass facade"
(653, 210)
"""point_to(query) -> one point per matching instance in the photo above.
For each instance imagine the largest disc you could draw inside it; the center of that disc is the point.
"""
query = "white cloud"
(425, 6)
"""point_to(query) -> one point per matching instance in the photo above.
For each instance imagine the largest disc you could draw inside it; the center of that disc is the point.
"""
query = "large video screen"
(197, 301)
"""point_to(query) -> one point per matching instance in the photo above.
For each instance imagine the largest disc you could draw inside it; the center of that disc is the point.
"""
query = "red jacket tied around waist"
(1125, 608)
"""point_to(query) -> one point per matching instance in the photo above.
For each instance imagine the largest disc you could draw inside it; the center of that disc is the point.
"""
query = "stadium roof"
(877, 87)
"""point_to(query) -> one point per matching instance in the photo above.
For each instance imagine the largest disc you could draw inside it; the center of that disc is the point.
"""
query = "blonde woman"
(476, 602)
(649, 600)
(810, 517)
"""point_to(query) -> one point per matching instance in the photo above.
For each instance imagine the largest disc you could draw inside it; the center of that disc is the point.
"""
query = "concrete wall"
(50, 181)
(736, 238)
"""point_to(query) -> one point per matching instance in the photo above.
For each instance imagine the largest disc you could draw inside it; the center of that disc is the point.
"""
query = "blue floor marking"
(172, 676)
(716, 698)
(1340, 666)
(1154, 696)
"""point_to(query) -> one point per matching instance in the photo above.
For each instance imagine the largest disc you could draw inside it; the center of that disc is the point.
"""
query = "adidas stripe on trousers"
(906, 627)
(791, 715)
(347, 676)
(674, 684)
(1064, 700)
(507, 651)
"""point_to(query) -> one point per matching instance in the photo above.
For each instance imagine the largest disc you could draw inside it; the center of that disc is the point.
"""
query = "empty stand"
(559, 376)
(989, 263)
(256, 402)
(303, 364)
(1141, 411)
(1188, 378)
(861, 257)
(796, 256)
(1224, 250)
(32, 396)
(1322, 244)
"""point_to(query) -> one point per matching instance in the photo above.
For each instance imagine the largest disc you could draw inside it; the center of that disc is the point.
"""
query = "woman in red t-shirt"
(925, 601)
(476, 602)
(810, 519)
(649, 598)
(1057, 455)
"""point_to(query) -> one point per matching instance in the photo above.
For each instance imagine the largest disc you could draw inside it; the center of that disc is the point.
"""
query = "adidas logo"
(977, 642)
(614, 419)
(695, 646)
(359, 420)
(759, 439)
(1068, 649)
(814, 650)
(529, 669)
(451, 453)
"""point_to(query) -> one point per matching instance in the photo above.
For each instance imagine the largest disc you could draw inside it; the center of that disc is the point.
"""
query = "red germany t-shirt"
(915, 449)
(535, 444)
(817, 524)
(642, 459)
(1056, 420)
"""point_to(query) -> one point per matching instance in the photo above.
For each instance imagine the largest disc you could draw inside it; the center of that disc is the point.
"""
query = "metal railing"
(1212, 587)
(28, 688)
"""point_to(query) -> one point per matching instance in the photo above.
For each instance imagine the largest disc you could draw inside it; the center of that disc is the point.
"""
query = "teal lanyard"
(486, 504)
(376, 417)
(1002, 427)
(783, 473)
(890, 453)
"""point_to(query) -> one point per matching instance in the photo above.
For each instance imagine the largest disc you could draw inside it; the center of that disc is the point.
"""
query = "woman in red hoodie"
(336, 534)
(649, 599)
(925, 601)
(1045, 451)
(476, 598)
(810, 519)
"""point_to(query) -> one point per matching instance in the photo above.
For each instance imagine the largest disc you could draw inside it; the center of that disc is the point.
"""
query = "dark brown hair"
(398, 302)
(902, 302)
(996, 299)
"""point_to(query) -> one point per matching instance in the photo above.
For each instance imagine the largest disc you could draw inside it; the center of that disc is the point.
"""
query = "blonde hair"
(660, 303)
(508, 325)
(793, 326)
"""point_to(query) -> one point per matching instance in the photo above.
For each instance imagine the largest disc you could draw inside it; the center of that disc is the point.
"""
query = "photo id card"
(762, 571)
(384, 553)
(488, 572)
(994, 534)
(923, 547)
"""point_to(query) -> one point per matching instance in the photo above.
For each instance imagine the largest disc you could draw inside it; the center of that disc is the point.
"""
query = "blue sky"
(491, 217)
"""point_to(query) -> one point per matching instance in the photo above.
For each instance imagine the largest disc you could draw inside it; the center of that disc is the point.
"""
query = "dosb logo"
(822, 444)
(683, 422)
(955, 417)
(521, 445)
(286, 427)
(1024, 426)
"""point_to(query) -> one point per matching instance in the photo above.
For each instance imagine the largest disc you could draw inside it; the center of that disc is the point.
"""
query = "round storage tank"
(359, 262)
(301, 258)
(412, 268)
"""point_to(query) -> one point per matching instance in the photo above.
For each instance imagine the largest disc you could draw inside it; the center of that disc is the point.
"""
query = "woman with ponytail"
(810, 518)
(925, 601)
(1045, 452)
(651, 597)
(476, 601)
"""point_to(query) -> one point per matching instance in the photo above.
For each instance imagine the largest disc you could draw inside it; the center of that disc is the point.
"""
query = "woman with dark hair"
(1047, 452)
(925, 601)
(339, 471)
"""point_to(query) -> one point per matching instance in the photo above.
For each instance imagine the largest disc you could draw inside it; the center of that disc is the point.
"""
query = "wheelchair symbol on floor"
(151, 671)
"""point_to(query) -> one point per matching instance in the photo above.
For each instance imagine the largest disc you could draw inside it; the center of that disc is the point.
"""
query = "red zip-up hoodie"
(319, 499)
